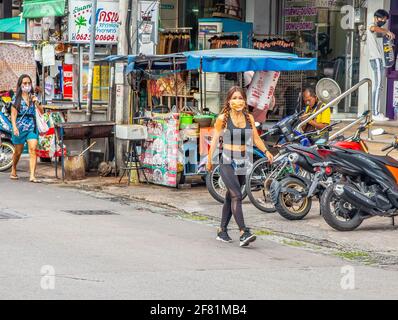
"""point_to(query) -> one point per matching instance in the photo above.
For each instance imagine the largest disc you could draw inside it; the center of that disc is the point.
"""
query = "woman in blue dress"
(23, 118)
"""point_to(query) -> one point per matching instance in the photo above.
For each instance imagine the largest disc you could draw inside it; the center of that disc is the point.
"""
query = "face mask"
(381, 23)
(237, 105)
(26, 89)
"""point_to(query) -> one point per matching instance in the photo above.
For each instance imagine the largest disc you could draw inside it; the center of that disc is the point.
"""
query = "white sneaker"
(381, 118)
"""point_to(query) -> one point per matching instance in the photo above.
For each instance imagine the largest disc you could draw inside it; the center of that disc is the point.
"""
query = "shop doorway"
(318, 32)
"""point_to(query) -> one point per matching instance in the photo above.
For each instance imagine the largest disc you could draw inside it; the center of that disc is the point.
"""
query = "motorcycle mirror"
(378, 132)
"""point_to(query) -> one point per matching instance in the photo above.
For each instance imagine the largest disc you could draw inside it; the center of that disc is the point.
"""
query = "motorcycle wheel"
(6, 153)
(287, 207)
(216, 186)
(339, 214)
(258, 188)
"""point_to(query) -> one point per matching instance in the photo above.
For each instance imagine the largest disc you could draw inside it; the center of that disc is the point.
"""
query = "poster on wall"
(108, 22)
(15, 60)
(160, 154)
(148, 24)
(261, 90)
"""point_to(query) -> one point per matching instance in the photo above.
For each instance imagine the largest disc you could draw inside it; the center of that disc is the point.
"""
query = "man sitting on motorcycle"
(313, 104)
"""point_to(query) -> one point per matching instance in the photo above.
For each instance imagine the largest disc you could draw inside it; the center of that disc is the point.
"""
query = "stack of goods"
(174, 42)
(221, 42)
(274, 44)
(189, 130)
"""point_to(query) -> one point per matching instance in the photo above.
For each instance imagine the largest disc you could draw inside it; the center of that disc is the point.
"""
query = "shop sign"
(299, 26)
(68, 81)
(301, 12)
(108, 22)
(167, 7)
(329, 4)
(209, 28)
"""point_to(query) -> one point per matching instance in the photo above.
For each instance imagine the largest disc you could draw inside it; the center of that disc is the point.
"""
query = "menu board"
(160, 153)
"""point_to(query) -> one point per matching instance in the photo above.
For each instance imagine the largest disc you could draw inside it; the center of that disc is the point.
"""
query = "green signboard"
(43, 8)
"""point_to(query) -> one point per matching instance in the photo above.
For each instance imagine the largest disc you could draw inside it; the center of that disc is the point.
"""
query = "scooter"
(293, 195)
(261, 177)
(7, 148)
(368, 188)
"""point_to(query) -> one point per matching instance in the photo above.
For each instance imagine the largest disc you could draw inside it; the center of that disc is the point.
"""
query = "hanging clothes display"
(220, 42)
(274, 44)
(174, 42)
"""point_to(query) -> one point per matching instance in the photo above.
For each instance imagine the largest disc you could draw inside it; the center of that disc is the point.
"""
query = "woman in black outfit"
(236, 127)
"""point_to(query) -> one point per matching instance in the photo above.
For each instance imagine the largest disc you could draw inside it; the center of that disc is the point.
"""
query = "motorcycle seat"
(311, 150)
(386, 160)
(383, 159)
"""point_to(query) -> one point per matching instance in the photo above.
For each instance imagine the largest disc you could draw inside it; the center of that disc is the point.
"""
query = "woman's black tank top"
(237, 136)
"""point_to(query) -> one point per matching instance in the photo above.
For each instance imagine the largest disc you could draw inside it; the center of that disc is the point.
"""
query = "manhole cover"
(91, 212)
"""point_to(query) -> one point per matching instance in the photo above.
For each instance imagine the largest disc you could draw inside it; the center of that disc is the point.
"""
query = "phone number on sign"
(99, 37)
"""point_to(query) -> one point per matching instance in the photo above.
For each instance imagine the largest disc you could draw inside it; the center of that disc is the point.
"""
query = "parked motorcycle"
(368, 188)
(7, 148)
(263, 174)
(293, 195)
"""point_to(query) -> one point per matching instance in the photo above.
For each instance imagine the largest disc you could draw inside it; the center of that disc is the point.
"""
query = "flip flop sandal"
(14, 177)
(35, 181)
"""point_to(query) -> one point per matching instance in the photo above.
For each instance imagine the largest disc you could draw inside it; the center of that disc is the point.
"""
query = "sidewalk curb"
(350, 253)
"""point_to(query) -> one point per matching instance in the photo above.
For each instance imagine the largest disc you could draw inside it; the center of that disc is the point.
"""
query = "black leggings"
(233, 198)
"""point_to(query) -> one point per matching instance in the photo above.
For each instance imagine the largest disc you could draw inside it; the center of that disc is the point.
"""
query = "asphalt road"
(143, 252)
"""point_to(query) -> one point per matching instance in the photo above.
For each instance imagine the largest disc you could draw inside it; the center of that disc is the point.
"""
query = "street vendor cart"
(175, 146)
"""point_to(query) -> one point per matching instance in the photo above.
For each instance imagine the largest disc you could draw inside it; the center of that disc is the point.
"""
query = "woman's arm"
(38, 105)
(14, 114)
(258, 142)
(218, 129)
(316, 125)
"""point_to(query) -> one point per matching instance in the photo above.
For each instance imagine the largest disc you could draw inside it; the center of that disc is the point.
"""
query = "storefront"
(322, 29)
(59, 30)
(392, 73)
(62, 46)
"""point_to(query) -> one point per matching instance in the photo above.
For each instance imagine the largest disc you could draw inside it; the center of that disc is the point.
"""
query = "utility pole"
(93, 30)
(127, 8)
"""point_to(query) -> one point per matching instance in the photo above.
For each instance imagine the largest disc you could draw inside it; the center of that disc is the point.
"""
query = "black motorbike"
(368, 188)
(293, 195)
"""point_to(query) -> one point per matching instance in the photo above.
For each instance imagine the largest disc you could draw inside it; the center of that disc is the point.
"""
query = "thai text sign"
(80, 21)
